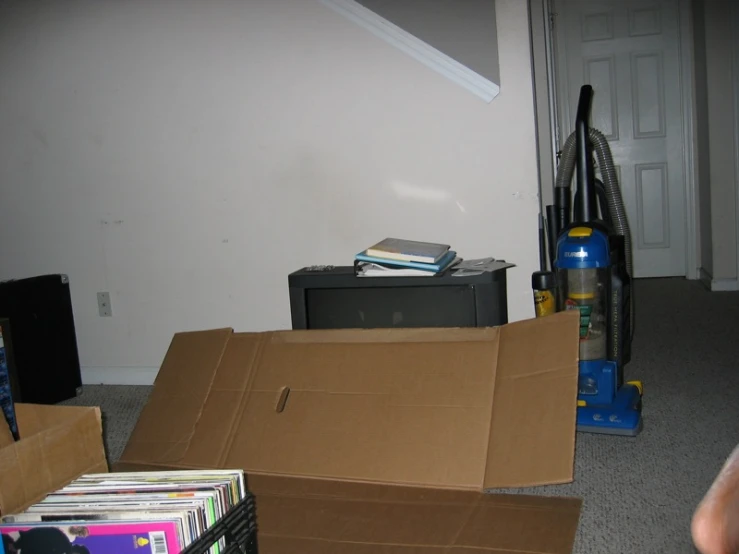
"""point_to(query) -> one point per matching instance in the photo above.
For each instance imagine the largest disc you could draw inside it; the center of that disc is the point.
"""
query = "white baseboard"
(119, 375)
(724, 285)
(718, 285)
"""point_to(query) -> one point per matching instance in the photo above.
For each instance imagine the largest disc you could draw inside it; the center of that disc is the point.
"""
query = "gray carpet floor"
(639, 493)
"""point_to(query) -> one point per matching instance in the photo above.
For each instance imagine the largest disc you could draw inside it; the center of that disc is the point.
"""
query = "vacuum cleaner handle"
(562, 205)
(552, 234)
(602, 205)
(585, 208)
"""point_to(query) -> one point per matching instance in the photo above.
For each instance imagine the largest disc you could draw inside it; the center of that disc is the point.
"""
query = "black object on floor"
(238, 527)
(44, 340)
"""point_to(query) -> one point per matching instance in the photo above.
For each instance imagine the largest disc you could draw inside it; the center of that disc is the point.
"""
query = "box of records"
(161, 512)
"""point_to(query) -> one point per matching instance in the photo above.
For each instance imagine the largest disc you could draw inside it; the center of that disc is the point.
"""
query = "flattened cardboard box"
(356, 440)
(57, 444)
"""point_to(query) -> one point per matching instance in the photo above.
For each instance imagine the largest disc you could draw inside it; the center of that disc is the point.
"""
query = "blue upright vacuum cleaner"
(591, 273)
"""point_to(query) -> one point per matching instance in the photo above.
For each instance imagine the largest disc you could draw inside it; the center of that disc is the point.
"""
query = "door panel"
(628, 50)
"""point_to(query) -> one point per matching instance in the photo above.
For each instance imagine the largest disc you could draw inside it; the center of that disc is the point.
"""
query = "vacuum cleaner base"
(621, 417)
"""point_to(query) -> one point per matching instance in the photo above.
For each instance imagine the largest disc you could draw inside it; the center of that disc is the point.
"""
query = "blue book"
(442, 264)
(403, 250)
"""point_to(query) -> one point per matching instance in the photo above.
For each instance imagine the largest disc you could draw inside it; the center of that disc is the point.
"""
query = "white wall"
(539, 15)
(186, 156)
(702, 139)
(717, 121)
(719, 47)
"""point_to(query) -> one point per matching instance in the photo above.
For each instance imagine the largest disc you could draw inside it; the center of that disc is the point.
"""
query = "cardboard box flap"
(164, 429)
(58, 443)
(39, 418)
(444, 408)
(214, 430)
(390, 406)
(312, 515)
(481, 524)
(532, 436)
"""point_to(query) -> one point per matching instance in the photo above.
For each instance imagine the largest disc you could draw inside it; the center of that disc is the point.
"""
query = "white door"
(629, 51)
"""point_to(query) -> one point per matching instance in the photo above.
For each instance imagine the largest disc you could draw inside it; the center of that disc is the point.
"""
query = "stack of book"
(393, 257)
(161, 512)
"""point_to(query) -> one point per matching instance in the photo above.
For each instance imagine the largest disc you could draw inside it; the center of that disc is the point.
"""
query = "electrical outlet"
(104, 309)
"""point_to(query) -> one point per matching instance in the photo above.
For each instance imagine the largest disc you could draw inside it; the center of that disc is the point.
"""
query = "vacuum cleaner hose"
(616, 208)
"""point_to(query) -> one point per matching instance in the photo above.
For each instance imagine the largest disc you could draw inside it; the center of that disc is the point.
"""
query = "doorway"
(632, 52)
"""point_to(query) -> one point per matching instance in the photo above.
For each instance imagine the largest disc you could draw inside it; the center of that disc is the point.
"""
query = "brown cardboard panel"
(209, 440)
(191, 360)
(352, 521)
(532, 436)
(36, 418)
(522, 524)
(270, 544)
(449, 408)
(241, 354)
(493, 523)
(386, 336)
(280, 485)
(120, 466)
(165, 426)
(48, 457)
(222, 406)
(402, 412)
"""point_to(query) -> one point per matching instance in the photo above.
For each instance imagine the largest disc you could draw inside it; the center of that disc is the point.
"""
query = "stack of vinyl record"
(164, 512)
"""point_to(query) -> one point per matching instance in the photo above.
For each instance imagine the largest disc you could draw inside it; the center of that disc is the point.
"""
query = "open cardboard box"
(379, 440)
(57, 444)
